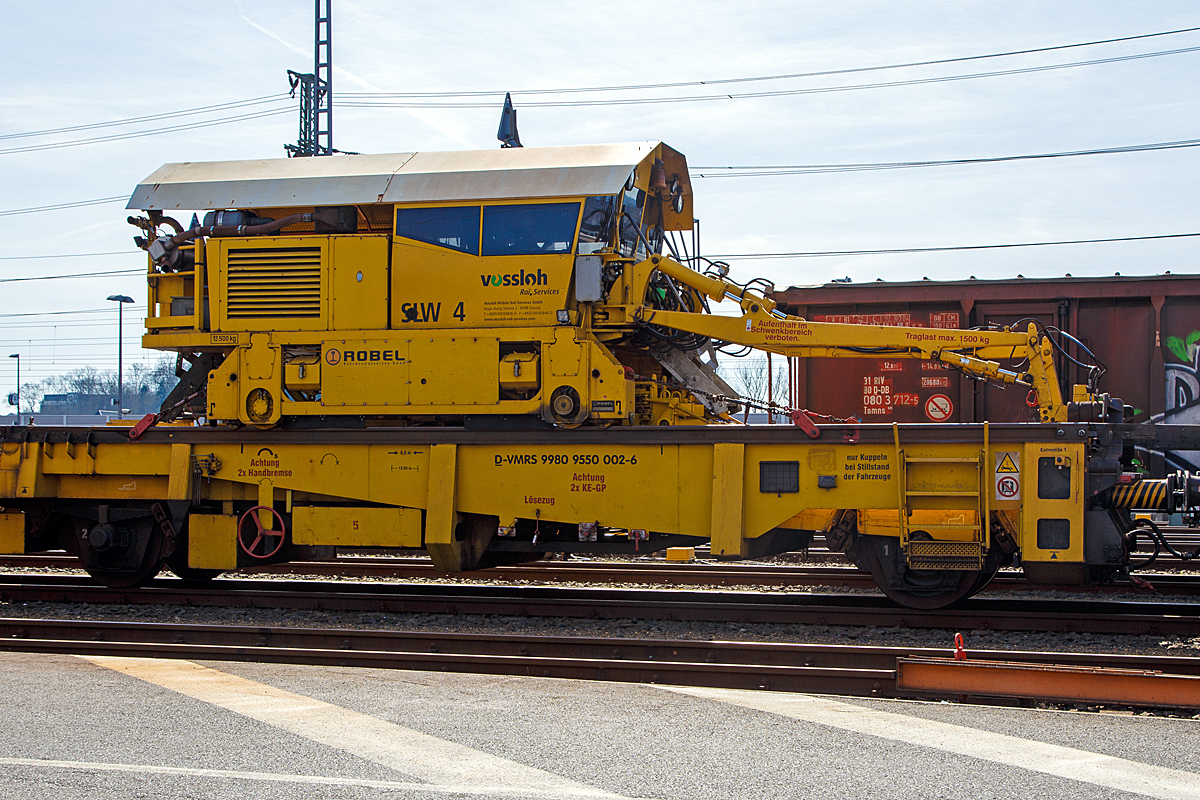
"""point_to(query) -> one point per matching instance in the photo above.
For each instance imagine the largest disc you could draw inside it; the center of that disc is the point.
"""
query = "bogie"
(119, 546)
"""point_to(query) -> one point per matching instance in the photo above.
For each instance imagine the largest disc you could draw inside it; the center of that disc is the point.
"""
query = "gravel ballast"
(1173, 645)
(621, 628)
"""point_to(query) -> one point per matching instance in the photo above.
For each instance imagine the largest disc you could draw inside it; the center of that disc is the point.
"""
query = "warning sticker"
(1006, 464)
(939, 408)
(1008, 475)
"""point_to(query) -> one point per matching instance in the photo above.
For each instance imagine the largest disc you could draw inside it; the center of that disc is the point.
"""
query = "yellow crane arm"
(760, 325)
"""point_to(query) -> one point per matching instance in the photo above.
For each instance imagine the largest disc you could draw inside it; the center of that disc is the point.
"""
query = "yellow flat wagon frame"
(925, 486)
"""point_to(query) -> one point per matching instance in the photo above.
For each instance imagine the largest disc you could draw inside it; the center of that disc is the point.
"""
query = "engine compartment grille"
(273, 283)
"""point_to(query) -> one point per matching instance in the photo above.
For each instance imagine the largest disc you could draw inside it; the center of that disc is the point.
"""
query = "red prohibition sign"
(939, 408)
(261, 533)
(1007, 486)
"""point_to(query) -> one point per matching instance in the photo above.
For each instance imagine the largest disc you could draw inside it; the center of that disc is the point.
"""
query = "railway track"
(826, 669)
(979, 613)
(650, 572)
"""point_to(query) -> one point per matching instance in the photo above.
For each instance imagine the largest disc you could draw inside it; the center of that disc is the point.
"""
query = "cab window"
(597, 223)
(631, 218)
(643, 211)
(455, 227)
(652, 224)
(530, 229)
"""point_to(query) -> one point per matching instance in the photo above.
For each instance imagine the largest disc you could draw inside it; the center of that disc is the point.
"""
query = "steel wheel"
(916, 588)
(132, 559)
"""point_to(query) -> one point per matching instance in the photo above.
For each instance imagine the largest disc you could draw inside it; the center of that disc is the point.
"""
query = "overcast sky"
(78, 63)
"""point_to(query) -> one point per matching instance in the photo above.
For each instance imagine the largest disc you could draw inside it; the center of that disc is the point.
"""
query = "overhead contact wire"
(817, 74)
(889, 251)
(65, 255)
(61, 206)
(151, 117)
(75, 275)
(778, 92)
(152, 132)
(813, 169)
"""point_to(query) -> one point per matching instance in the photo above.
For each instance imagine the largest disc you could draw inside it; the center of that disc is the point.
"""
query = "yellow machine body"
(465, 306)
(522, 283)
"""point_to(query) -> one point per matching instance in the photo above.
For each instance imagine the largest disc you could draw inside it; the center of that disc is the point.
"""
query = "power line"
(62, 324)
(776, 93)
(271, 98)
(60, 206)
(365, 102)
(814, 169)
(152, 132)
(58, 313)
(75, 275)
(821, 73)
(65, 255)
(64, 327)
(73, 321)
(76, 344)
(58, 332)
(825, 253)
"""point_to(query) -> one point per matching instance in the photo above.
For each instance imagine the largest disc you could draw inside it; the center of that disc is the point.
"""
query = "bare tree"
(748, 376)
(145, 386)
(85, 380)
(31, 396)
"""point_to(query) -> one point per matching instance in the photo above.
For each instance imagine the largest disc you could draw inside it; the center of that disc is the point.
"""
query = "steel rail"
(828, 669)
(698, 575)
(621, 660)
(1091, 616)
(695, 574)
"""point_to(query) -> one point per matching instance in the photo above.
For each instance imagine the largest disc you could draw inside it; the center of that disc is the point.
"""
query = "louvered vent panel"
(274, 283)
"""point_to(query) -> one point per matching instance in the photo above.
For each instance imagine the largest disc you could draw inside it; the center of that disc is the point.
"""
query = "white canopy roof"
(395, 178)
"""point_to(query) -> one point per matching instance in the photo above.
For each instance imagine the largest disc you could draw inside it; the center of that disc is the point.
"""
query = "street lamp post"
(17, 356)
(120, 300)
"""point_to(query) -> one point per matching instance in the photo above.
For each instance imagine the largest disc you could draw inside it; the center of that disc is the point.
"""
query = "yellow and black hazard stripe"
(1140, 495)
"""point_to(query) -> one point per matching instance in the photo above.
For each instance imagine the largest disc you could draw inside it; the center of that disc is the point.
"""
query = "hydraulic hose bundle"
(164, 250)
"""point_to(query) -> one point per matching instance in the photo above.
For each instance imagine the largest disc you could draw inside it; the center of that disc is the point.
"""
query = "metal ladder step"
(944, 554)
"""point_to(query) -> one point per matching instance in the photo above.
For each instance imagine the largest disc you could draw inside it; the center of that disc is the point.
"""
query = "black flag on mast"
(508, 124)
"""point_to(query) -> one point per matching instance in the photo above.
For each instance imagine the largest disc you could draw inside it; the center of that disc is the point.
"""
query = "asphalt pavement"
(99, 728)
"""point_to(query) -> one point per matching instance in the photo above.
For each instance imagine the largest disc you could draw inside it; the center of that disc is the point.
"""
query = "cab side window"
(529, 229)
(454, 227)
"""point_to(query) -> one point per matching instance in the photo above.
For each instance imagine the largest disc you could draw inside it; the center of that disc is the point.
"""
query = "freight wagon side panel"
(1146, 330)
(884, 389)
(1179, 355)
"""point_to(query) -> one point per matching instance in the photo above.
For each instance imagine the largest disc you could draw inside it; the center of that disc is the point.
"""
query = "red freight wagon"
(1145, 329)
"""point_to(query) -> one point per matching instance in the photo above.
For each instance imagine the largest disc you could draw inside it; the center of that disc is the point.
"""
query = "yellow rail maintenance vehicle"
(497, 355)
